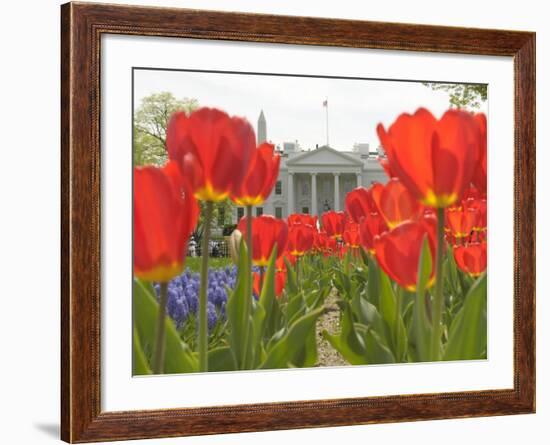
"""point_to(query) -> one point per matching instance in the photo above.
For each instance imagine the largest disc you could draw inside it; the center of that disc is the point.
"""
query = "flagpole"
(326, 110)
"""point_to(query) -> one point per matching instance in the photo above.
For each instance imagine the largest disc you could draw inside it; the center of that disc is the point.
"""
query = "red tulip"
(280, 281)
(481, 206)
(302, 218)
(472, 258)
(369, 229)
(213, 149)
(471, 193)
(331, 246)
(387, 167)
(461, 221)
(260, 179)
(395, 203)
(359, 204)
(334, 223)
(434, 159)
(300, 239)
(165, 214)
(351, 235)
(398, 251)
(320, 240)
(480, 174)
(267, 232)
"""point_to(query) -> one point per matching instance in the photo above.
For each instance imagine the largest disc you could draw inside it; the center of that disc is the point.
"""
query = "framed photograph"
(274, 222)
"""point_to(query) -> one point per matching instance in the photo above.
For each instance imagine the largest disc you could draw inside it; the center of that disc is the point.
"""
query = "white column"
(314, 194)
(337, 192)
(359, 179)
(290, 193)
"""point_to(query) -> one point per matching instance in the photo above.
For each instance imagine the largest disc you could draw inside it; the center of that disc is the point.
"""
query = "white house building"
(317, 180)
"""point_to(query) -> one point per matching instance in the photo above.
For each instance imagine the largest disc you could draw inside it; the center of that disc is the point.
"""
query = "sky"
(293, 106)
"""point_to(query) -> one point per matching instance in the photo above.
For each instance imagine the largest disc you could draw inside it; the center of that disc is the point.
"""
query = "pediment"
(324, 156)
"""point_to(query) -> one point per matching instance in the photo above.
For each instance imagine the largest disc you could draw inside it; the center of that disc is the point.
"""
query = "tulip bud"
(234, 245)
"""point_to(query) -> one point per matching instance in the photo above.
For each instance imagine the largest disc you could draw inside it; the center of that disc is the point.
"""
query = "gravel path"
(328, 356)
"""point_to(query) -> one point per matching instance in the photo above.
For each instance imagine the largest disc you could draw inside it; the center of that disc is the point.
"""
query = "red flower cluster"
(217, 156)
(431, 164)
(441, 164)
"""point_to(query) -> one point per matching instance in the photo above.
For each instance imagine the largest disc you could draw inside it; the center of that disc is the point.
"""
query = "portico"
(318, 180)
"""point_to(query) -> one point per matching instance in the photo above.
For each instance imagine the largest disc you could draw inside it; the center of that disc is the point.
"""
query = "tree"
(462, 95)
(150, 122)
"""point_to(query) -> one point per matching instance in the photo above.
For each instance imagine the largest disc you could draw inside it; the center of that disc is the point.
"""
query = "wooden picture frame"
(82, 26)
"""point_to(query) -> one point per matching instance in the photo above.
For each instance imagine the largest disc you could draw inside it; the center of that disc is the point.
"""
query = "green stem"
(160, 344)
(249, 246)
(247, 306)
(398, 306)
(298, 272)
(262, 272)
(438, 292)
(203, 297)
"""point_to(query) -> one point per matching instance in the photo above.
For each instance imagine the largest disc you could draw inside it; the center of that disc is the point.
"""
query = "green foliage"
(178, 357)
(468, 331)
(379, 321)
(462, 95)
(382, 323)
(266, 333)
(150, 122)
(239, 307)
(140, 365)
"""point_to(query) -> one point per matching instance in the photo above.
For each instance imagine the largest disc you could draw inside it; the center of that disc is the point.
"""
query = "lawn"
(194, 263)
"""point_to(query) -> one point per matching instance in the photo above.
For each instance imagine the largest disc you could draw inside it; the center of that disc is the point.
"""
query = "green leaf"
(348, 343)
(468, 332)
(422, 327)
(307, 356)
(377, 350)
(140, 365)
(367, 314)
(295, 307)
(391, 314)
(291, 283)
(263, 309)
(287, 351)
(178, 357)
(221, 359)
(238, 310)
(373, 286)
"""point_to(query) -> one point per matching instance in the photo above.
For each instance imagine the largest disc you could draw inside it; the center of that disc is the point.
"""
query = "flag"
(325, 103)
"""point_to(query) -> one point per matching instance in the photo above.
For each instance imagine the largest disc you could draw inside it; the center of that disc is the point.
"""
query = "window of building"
(278, 188)
(305, 209)
(259, 211)
(278, 212)
(240, 213)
